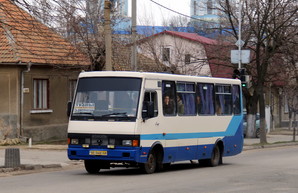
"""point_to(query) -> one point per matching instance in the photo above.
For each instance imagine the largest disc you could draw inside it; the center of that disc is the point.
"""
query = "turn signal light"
(135, 143)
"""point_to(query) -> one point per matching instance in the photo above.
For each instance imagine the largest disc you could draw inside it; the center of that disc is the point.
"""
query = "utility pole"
(133, 35)
(239, 34)
(108, 36)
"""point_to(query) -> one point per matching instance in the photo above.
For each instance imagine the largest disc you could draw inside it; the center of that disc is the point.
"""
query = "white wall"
(179, 47)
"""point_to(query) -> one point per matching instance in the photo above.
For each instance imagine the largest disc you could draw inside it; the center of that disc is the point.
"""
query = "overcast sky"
(148, 13)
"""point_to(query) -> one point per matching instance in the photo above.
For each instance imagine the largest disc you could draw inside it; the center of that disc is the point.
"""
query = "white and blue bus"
(150, 120)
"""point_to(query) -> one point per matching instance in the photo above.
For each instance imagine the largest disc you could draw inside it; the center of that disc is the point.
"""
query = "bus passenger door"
(150, 124)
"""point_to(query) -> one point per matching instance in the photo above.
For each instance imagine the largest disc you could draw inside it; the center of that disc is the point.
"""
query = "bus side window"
(150, 101)
(223, 99)
(186, 104)
(169, 98)
(236, 100)
(205, 99)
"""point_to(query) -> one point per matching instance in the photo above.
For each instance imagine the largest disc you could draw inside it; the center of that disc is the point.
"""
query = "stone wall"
(46, 132)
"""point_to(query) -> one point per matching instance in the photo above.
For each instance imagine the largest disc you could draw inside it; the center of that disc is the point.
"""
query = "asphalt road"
(266, 171)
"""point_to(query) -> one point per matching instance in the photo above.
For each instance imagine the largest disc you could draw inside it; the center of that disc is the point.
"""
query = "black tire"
(92, 166)
(150, 166)
(215, 157)
(215, 160)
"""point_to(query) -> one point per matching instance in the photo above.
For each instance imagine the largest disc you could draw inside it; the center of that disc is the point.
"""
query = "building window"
(40, 94)
(195, 8)
(187, 58)
(72, 87)
(209, 7)
(286, 104)
(166, 54)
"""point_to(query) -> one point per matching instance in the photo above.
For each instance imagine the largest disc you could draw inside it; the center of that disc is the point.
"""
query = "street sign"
(239, 43)
(245, 56)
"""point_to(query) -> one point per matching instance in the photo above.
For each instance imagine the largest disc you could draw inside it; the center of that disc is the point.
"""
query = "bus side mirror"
(148, 110)
(69, 104)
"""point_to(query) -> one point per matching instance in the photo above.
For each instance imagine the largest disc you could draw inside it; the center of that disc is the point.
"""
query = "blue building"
(205, 10)
(205, 22)
(206, 17)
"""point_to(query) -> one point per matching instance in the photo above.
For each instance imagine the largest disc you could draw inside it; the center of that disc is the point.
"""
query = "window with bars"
(195, 8)
(187, 58)
(209, 6)
(166, 54)
(40, 94)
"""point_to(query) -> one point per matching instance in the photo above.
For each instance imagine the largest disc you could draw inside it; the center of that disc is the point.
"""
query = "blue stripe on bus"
(230, 131)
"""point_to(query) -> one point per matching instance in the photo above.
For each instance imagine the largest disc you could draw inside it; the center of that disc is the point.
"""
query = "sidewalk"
(55, 156)
(273, 140)
(39, 157)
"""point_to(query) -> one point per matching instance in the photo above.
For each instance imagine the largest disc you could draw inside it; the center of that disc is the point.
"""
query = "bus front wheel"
(92, 166)
(150, 166)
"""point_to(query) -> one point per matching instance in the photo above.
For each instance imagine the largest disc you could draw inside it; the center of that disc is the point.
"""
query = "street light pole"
(133, 35)
(108, 36)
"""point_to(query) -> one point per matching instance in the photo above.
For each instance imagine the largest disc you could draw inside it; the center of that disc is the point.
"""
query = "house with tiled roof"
(38, 72)
(185, 53)
(192, 54)
(122, 60)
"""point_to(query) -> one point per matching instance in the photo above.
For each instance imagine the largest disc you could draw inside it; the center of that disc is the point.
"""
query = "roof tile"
(23, 38)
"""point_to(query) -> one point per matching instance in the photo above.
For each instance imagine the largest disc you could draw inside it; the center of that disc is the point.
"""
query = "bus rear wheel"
(150, 166)
(92, 166)
(216, 158)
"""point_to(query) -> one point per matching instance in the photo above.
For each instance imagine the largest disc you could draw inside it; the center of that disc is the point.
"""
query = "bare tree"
(291, 88)
(80, 21)
(176, 22)
(266, 27)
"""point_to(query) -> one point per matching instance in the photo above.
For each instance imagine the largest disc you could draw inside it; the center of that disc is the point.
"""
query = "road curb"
(29, 167)
(251, 147)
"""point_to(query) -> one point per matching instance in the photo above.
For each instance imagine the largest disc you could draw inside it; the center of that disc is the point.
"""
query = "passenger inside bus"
(168, 106)
(180, 105)
(199, 105)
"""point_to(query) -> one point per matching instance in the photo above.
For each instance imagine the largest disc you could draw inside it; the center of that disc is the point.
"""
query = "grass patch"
(280, 142)
(274, 143)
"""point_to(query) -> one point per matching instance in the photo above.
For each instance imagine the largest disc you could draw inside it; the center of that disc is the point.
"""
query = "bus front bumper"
(121, 154)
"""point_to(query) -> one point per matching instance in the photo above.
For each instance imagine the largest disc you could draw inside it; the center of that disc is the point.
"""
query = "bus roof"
(159, 76)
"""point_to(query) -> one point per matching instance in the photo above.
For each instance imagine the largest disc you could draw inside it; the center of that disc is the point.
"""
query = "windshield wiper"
(112, 114)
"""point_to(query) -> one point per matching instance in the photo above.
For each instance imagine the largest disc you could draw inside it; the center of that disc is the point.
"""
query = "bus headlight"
(127, 142)
(134, 143)
(74, 141)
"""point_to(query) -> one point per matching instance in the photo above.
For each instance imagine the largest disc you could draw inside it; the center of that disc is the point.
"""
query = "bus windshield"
(106, 98)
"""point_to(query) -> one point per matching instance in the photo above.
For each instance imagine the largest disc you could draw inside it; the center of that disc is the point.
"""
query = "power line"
(180, 13)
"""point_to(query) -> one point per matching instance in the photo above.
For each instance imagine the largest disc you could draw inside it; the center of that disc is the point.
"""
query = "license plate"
(92, 152)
